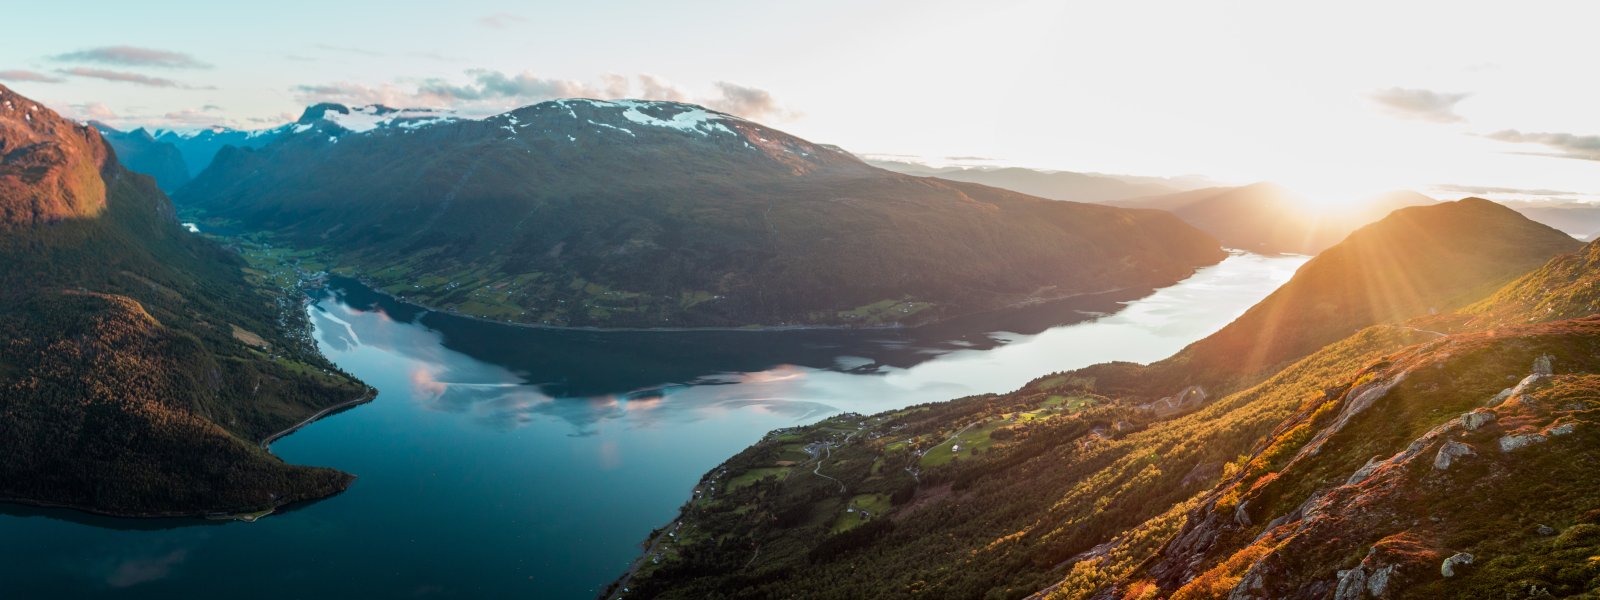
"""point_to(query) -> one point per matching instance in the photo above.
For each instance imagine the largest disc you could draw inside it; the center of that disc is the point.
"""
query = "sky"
(1334, 100)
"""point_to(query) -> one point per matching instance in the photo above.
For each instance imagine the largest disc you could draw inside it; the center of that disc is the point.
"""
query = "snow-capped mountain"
(642, 213)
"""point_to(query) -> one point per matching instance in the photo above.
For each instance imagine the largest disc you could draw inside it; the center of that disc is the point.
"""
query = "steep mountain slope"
(1066, 489)
(140, 371)
(632, 213)
(1457, 468)
(1265, 217)
(1055, 185)
(141, 153)
(1567, 287)
(1416, 261)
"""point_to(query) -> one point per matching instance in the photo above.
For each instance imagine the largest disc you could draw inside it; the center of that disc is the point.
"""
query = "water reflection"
(503, 461)
(504, 377)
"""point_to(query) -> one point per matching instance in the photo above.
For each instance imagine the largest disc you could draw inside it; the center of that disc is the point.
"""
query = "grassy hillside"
(624, 214)
(140, 369)
(1067, 489)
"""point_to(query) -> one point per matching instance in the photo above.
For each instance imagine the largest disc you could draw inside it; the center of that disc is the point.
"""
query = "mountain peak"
(52, 168)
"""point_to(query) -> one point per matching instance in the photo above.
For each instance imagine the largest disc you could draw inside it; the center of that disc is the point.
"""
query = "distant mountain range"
(661, 214)
(1354, 435)
(141, 371)
(1580, 219)
(1055, 185)
(1265, 217)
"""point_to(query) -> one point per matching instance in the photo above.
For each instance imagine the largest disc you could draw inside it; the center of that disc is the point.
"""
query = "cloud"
(489, 92)
(745, 101)
(120, 76)
(494, 85)
(92, 111)
(1480, 190)
(34, 76)
(1564, 145)
(652, 88)
(501, 20)
(1421, 105)
(132, 56)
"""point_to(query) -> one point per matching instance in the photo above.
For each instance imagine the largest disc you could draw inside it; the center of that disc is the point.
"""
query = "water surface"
(500, 460)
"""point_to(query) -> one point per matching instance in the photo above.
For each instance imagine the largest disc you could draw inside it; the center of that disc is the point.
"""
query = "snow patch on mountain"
(361, 119)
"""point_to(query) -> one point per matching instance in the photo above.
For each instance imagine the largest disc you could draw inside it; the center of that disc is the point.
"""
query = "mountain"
(141, 371)
(1419, 260)
(1265, 217)
(141, 153)
(1055, 185)
(1318, 477)
(198, 147)
(635, 213)
(1575, 218)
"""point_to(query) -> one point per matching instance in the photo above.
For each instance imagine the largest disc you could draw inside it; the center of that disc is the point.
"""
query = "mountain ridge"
(661, 214)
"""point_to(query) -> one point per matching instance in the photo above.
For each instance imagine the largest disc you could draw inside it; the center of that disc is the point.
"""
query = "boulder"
(1564, 429)
(1352, 584)
(1542, 366)
(1454, 563)
(1519, 441)
(1478, 418)
(1449, 452)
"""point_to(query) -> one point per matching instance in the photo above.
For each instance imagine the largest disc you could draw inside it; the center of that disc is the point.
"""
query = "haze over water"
(503, 460)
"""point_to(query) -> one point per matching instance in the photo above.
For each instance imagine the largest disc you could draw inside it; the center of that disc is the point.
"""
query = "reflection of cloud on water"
(144, 569)
(774, 375)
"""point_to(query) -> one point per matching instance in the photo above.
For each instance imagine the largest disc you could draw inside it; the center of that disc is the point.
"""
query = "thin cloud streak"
(26, 75)
(133, 56)
(1565, 145)
(120, 76)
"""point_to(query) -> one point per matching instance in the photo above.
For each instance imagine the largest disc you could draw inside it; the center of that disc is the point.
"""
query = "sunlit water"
(501, 460)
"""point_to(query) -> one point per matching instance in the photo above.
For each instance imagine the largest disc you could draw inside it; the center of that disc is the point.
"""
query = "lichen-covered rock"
(1498, 398)
(1542, 366)
(1378, 581)
(1449, 452)
(1352, 584)
(1478, 418)
(1564, 429)
(1450, 565)
(1521, 440)
(1365, 471)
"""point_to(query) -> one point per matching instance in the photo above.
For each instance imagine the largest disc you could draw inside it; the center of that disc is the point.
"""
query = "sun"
(1335, 195)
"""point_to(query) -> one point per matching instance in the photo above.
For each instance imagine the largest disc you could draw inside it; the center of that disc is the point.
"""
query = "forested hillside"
(141, 370)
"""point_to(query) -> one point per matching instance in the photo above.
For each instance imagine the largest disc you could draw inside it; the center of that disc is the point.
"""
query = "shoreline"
(368, 396)
(247, 516)
(371, 286)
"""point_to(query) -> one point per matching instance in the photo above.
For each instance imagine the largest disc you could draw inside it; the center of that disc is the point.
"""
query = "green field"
(753, 475)
(875, 504)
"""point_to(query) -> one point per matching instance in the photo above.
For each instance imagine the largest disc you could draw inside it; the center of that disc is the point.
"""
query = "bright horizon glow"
(1333, 100)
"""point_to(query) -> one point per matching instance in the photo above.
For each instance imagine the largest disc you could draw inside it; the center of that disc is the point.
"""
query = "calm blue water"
(501, 460)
